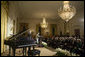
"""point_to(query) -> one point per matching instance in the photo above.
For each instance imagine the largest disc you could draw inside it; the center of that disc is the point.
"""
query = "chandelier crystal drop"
(44, 24)
(67, 11)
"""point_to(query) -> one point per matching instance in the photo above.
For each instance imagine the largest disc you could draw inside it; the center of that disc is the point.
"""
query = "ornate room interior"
(42, 28)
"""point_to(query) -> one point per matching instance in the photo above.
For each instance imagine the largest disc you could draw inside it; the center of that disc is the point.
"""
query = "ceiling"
(37, 9)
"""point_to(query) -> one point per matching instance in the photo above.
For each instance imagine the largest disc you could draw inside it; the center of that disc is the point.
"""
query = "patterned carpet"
(44, 52)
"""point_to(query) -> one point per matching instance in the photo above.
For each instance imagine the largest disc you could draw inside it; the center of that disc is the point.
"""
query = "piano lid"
(17, 35)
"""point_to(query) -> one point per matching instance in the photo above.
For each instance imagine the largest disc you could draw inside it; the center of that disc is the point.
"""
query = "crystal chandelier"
(44, 24)
(67, 11)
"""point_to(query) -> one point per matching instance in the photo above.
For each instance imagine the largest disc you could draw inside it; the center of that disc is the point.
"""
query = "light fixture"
(67, 11)
(44, 24)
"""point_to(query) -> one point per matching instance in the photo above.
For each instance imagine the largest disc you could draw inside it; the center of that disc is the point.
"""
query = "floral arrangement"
(44, 44)
(61, 52)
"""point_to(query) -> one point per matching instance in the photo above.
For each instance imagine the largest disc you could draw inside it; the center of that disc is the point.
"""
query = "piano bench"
(34, 52)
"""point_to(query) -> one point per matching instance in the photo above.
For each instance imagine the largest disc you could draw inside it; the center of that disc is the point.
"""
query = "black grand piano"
(20, 41)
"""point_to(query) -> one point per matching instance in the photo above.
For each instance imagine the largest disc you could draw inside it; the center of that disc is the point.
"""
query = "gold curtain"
(4, 10)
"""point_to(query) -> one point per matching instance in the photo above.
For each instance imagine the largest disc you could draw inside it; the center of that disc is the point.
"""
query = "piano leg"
(33, 50)
(29, 48)
(9, 50)
(14, 50)
(24, 51)
(33, 47)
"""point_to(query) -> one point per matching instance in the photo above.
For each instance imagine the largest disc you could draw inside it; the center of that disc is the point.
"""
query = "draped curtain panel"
(23, 26)
(4, 16)
(53, 29)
